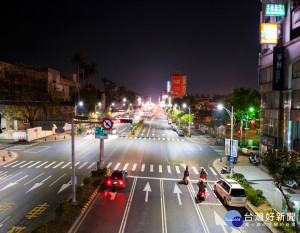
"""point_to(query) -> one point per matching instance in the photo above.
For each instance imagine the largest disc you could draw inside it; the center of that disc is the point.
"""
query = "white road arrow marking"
(36, 185)
(178, 192)
(63, 187)
(147, 189)
(112, 195)
(219, 222)
(14, 183)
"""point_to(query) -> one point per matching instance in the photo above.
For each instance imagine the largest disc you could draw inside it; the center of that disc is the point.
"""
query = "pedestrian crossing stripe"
(126, 166)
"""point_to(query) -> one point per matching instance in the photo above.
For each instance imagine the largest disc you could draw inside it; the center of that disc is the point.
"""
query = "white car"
(232, 193)
(251, 150)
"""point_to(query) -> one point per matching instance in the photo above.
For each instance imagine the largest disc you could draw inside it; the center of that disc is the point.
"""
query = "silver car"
(251, 150)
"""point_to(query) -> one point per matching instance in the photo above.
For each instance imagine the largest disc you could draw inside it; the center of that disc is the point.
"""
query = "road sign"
(99, 131)
(231, 159)
(107, 123)
(101, 136)
(131, 128)
(105, 132)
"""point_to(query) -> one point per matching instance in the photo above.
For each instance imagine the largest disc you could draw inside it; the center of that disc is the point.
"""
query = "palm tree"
(77, 61)
(92, 71)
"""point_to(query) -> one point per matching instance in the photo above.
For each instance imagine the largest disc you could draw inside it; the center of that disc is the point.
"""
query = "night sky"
(139, 44)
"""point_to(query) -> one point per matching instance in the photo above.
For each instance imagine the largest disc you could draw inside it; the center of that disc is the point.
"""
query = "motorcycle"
(253, 160)
(201, 195)
(187, 179)
(292, 185)
(225, 170)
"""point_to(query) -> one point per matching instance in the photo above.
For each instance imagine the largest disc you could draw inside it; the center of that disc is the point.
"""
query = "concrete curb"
(248, 205)
(16, 155)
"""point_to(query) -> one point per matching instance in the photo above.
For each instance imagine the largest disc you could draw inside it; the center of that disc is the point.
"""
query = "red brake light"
(204, 179)
(108, 182)
(121, 182)
(202, 194)
(188, 178)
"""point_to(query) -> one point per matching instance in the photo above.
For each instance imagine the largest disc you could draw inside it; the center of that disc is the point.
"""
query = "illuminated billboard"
(268, 33)
(275, 9)
(176, 85)
(168, 86)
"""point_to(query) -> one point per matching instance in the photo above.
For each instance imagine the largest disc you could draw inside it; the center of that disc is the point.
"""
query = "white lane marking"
(199, 213)
(154, 139)
(34, 164)
(45, 179)
(195, 170)
(149, 128)
(66, 165)
(116, 167)
(163, 135)
(168, 139)
(11, 163)
(158, 138)
(1, 223)
(125, 167)
(165, 178)
(108, 165)
(169, 169)
(182, 140)
(45, 148)
(57, 179)
(49, 165)
(19, 164)
(173, 139)
(134, 167)
(151, 168)
(163, 208)
(26, 164)
(42, 164)
(57, 165)
(143, 168)
(34, 178)
(126, 212)
(10, 177)
(160, 168)
(209, 186)
(85, 163)
(163, 138)
(177, 139)
(177, 169)
(94, 163)
(212, 170)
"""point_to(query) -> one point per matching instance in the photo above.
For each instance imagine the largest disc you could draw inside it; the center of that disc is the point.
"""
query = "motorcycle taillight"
(202, 194)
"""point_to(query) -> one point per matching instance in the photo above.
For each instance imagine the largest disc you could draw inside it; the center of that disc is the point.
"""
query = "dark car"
(117, 179)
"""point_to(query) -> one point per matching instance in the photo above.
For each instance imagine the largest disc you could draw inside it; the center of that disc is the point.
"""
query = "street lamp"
(76, 105)
(99, 104)
(220, 107)
(184, 105)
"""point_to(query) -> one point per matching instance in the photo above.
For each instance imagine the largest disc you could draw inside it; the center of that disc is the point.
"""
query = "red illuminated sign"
(176, 84)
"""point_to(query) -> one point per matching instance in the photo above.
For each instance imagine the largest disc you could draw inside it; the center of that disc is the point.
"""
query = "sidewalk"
(8, 157)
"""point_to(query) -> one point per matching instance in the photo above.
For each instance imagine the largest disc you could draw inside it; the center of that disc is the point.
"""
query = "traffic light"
(239, 132)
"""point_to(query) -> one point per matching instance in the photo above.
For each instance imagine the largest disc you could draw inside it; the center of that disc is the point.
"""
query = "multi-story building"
(279, 76)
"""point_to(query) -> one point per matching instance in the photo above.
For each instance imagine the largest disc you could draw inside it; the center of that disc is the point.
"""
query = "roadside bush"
(259, 192)
(100, 172)
(42, 227)
(79, 190)
(87, 180)
(61, 208)
(96, 183)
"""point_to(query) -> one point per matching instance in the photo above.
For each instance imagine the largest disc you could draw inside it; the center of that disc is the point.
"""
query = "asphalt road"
(154, 199)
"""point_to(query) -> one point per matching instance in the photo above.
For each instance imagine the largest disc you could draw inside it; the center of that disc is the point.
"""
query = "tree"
(283, 166)
(27, 90)
(77, 61)
(185, 118)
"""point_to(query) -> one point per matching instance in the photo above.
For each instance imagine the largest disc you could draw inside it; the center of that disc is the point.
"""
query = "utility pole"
(73, 165)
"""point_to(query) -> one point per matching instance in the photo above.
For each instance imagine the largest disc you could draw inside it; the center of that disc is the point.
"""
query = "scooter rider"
(201, 187)
(203, 174)
(186, 172)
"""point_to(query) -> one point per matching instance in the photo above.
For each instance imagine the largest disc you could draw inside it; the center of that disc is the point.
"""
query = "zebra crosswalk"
(153, 138)
(133, 167)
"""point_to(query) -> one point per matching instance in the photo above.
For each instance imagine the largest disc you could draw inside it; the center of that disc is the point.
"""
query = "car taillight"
(108, 182)
(121, 182)
(202, 194)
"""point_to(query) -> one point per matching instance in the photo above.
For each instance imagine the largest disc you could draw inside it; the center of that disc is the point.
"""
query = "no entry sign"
(107, 123)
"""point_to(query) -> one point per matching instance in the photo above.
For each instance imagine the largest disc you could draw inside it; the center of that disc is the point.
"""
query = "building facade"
(279, 79)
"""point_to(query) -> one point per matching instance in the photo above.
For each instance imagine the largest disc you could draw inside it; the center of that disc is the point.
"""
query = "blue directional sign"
(231, 159)
(131, 128)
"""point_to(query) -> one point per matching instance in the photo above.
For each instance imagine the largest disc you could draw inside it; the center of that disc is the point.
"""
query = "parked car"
(180, 133)
(232, 193)
(251, 150)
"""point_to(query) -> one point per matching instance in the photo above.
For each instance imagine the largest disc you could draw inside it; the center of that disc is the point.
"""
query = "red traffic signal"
(239, 132)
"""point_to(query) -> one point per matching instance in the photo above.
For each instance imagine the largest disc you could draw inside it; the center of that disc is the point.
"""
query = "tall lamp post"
(184, 105)
(76, 105)
(99, 105)
(220, 107)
